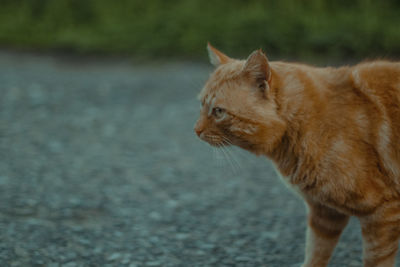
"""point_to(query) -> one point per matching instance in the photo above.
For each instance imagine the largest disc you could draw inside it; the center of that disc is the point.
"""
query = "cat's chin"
(215, 142)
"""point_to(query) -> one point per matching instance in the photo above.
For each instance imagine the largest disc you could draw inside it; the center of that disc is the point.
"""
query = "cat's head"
(238, 104)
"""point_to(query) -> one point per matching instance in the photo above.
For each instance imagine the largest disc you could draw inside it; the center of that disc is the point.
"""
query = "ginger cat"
(333, 134)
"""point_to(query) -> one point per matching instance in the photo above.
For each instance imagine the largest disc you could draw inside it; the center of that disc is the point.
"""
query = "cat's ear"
(257, 69)
(216, 57)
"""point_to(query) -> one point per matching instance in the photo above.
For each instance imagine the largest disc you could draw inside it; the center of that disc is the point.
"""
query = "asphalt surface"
(100, 167)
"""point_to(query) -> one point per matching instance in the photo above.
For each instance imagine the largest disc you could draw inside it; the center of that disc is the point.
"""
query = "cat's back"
(378, 78)
(379, 82)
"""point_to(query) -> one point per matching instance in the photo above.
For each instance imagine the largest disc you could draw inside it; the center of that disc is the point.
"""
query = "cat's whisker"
(228, 155)
(214, 153)
(226, 141)
(229, 159)
(234, 157)
(236, 152)
(217, 156)
(224, 154)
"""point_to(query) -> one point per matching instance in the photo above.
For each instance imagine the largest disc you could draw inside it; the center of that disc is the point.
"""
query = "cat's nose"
(199, 127)
(198, 131)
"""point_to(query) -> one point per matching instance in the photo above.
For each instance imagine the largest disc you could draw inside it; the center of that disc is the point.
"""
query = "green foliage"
(164, 28)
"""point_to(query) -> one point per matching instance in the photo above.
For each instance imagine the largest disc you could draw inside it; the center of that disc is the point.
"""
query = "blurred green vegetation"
(295, 29)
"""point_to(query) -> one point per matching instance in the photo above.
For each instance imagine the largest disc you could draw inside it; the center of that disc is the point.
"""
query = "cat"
(332, 133)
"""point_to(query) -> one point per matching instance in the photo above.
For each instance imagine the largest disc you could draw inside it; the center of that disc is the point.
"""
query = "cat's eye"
(218, 112)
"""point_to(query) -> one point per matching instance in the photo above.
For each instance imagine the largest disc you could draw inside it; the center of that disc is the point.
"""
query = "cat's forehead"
(223, 76)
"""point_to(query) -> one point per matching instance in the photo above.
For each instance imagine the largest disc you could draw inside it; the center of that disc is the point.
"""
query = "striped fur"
(333, 133)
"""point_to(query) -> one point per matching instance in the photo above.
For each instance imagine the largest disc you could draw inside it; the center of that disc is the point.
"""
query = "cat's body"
(341, 136)
(333, 134)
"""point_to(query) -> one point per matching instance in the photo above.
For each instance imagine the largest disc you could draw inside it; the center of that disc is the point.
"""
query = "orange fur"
(333, 132)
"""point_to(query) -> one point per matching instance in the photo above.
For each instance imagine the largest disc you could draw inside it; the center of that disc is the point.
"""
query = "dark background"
(310, 30)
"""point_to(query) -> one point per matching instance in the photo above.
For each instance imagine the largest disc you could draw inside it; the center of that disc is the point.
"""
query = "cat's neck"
(301, 92)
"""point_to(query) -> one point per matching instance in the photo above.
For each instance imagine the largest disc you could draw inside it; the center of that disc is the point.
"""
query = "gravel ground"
(100, 167)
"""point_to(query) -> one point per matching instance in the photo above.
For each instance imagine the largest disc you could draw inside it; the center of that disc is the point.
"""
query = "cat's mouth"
(215, 141)
(217, 144)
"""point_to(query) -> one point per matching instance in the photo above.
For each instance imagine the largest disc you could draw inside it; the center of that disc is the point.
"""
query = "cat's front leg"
(323, 231)
(381, 234)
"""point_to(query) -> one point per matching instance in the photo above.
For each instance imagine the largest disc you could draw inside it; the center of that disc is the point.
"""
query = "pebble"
(155, 216)
(182, 236)
(270, 235)
(114, 256)
(21, 252)
(243, 259)
(153, 263)
(125, 260)
(70, 264)
(4, 180)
